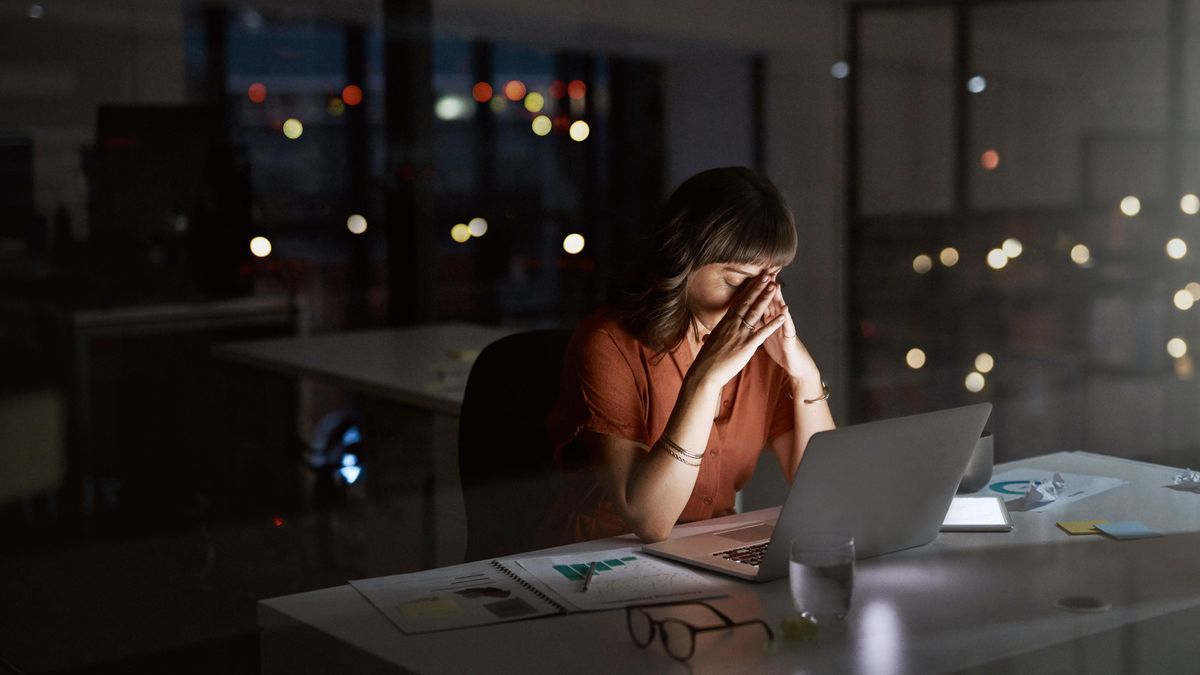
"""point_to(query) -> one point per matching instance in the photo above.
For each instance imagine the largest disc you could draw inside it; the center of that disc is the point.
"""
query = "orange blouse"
(613, 384)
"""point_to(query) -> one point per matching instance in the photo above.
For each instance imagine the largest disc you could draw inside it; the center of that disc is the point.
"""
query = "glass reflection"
(879, 639)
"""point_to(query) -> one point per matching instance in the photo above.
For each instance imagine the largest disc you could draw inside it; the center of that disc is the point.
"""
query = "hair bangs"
(761, 236)
(723, 215)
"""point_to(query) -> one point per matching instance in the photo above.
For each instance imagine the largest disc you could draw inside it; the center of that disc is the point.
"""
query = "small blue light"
(351, 436)
(350, 473)
(349, 459)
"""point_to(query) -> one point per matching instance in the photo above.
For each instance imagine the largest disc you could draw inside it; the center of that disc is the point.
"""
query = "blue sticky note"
(1130, 529)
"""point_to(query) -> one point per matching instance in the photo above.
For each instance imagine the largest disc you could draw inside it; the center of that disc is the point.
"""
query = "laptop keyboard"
(751, 555)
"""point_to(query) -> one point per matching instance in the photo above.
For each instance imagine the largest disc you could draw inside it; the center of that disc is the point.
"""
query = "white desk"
(965, 600)
(419, 366)
(422, 369)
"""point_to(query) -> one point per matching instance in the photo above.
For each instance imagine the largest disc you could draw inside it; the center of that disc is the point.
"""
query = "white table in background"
(966, 600)
(421, 368)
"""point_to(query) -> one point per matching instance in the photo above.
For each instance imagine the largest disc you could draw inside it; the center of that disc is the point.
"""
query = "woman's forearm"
(810, 418)
(660, 485)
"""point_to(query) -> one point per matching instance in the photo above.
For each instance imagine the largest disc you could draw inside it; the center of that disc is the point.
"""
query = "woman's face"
(711, 288)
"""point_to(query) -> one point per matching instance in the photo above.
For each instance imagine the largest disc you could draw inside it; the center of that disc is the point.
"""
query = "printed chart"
(421, 602)
(578, 571)
(622, 578)
(1014, 487)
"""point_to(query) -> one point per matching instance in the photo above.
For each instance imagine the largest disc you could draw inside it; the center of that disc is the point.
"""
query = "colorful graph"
(577, 571)
(1012, 487)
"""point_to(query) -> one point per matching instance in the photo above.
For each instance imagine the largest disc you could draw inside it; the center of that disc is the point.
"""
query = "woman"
(667, 399)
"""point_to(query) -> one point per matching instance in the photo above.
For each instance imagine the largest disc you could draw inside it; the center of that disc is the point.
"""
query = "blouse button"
(707, 500)
(725, 402)
(714, 452)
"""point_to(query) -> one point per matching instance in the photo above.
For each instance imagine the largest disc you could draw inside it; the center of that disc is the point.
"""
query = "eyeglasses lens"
(640, 627)
(677, 638)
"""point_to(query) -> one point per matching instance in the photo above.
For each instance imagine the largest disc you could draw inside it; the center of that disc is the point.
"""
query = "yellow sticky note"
(432, 608)
(1074, 527)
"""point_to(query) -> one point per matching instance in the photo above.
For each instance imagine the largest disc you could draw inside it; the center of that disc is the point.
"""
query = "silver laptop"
(888, 484)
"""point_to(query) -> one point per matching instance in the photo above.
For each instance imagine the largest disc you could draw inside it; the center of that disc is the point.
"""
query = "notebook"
(888, 484)
(496, 591)
(985, 513)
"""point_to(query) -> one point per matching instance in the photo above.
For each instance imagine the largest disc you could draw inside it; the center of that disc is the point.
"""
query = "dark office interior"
(996, 201)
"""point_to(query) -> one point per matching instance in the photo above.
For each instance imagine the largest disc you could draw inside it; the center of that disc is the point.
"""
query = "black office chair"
(509, 481)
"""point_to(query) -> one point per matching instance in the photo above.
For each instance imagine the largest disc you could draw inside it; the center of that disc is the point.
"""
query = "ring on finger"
(746, 323)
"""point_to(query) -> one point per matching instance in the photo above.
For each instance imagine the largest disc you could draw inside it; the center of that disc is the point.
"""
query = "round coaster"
(1082, 603)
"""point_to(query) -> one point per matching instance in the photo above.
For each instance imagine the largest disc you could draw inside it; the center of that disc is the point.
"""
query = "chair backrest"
(504, 460)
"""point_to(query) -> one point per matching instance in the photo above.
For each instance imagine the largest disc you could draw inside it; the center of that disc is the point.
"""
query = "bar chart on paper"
(578, 571)
(622, 578)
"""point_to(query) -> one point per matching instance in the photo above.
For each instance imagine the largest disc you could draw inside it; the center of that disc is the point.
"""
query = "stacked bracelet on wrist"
(677, 452)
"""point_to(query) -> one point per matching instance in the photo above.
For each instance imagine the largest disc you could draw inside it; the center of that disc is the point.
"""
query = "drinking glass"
(821, 570)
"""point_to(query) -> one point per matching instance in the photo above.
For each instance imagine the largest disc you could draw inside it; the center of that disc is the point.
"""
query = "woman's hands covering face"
(750, 321)
(784, 345)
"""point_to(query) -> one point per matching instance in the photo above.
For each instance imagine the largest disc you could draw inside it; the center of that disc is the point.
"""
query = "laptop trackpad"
(752, 533)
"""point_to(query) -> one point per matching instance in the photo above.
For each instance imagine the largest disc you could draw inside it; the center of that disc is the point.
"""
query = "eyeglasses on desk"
(679, 636)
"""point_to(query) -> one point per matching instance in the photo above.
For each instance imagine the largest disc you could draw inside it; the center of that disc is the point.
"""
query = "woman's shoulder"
(604, 325)
(601, 339)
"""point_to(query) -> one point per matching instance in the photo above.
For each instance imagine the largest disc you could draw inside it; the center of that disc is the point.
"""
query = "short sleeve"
(613, 402)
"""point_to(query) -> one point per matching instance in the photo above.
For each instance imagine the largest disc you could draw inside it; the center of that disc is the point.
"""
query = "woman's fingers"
(745, 299)
(749, 291)
(779, 306)
(789, 325)
(764, 331)
(759, 305)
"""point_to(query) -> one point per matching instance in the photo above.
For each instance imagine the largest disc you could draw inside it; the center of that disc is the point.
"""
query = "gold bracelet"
(823, 397)
(672, 444)
(678, 457)
(675, 455)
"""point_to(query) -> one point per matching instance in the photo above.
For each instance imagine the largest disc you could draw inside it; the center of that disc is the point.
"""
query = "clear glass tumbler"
(821, 570)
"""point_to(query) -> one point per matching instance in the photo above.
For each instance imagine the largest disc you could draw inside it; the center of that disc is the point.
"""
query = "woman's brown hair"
(726, 215)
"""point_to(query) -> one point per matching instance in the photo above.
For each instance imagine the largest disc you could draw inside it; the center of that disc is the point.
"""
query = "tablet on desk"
(977, 514)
